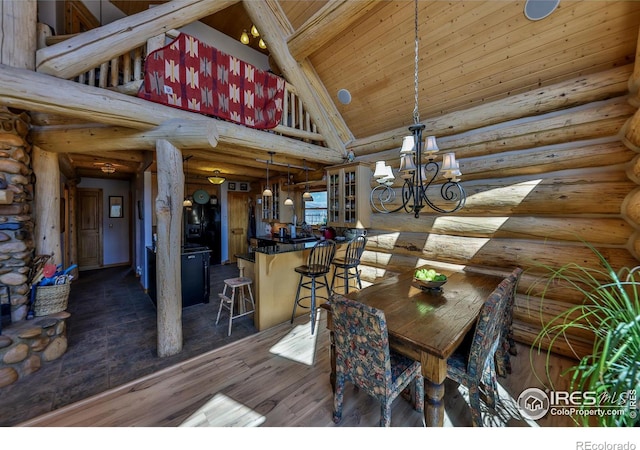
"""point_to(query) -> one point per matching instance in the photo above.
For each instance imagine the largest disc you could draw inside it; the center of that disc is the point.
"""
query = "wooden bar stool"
(315, 273)
(237, 286)
(351, 260)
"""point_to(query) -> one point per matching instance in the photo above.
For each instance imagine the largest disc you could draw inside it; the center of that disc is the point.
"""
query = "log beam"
(274, 25)
(184, 134)
(91, 48)
(33, 91)
(169, 220)
(330, 21)
(575, 92)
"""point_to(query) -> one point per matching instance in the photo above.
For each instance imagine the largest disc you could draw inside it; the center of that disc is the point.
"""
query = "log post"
(47, 204)
(169, 220)
(73, 224)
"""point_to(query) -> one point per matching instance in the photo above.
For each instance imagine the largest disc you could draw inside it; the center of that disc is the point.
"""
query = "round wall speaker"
(201, 197)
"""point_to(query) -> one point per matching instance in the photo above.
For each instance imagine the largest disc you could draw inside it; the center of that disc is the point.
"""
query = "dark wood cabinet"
(195, 270)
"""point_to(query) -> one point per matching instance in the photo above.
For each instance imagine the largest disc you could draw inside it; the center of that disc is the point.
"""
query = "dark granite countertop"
(279, 246)
(251, 256)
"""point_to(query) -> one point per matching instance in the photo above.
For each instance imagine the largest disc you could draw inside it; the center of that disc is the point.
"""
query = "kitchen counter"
(275, 244)
(275, 281)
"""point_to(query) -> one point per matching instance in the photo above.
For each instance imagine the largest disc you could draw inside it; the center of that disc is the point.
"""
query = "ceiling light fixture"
(288, 201)
(267, 190)
(416, 175)
(187, 201)
(307, 197)
(245, 37)
(216, 178)
(108, 168)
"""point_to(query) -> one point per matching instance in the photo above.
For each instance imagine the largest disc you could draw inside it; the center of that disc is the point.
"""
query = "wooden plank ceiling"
(470, 52)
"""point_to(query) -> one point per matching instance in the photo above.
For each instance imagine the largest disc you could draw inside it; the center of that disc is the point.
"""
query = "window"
(315, 211)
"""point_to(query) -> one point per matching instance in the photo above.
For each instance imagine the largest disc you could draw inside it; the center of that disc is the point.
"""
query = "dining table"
(427, 325)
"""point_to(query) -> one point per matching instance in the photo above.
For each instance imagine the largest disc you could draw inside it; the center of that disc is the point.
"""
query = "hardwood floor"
(276, 378)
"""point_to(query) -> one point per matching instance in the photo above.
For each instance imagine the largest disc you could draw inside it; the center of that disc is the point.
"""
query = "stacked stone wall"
(27, 345)
(16, 223)
(24, 344)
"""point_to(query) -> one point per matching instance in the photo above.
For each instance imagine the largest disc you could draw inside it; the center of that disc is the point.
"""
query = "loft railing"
(125, 74)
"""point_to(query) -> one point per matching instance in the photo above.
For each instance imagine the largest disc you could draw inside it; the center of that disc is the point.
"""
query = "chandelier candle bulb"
(449, 162)
(408, 145)
(380, 171)
(432, 146)
(407, 165)
(388, 179)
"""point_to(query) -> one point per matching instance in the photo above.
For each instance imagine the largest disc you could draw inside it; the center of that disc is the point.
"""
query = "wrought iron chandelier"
(418, 176)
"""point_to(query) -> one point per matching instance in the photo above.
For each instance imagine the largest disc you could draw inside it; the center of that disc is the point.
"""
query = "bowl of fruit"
(428, 279)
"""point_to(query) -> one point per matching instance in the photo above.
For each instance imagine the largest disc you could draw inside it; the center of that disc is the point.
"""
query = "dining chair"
(363, 357)
(313, 276)
(507, 346)
(474, 367)
(351, 260)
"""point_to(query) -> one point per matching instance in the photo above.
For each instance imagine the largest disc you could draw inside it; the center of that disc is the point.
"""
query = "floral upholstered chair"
(363, 357)
(507, 344)
(475, 367)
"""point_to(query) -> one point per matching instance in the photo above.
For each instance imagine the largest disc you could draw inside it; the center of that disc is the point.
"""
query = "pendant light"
(267, 191)
(288, 201)
(216, 178)
(187, 201)
(417, 175)
(307, 197)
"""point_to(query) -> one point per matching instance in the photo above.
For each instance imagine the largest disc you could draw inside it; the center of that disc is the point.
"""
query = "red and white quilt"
(194, 76)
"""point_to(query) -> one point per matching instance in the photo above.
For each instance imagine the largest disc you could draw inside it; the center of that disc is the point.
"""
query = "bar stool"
(351, 260)
(237, 286)
(318, 266)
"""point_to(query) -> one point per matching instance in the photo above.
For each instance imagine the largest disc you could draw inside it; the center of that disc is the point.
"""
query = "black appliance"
(195, 275)
(202, 228)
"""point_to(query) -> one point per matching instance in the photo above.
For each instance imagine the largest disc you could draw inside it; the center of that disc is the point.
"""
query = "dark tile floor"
(112, 340)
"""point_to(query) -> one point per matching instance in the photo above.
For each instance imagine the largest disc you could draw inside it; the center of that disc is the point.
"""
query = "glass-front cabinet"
(348, 190)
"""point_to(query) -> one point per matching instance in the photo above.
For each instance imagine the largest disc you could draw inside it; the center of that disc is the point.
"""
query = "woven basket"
(51, 299)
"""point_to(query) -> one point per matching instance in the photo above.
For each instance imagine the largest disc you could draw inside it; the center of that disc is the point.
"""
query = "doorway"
(89, 221)
(238, 210)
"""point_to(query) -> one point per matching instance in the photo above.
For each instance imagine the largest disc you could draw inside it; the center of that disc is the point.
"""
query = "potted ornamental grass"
(610, 310)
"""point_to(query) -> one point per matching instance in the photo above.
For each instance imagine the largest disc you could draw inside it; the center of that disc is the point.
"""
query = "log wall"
(537, 186)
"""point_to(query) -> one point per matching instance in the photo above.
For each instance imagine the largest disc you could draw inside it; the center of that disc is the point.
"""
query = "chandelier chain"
(416, 112)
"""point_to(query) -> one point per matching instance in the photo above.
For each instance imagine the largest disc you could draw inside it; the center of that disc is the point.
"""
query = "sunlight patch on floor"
(223, 411)
(299, 345)
(506, 413)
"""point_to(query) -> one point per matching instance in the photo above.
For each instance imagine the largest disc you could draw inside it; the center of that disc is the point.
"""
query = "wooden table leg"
(434, 371)
(332, 375)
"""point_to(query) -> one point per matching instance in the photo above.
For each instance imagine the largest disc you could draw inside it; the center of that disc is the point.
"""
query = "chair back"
(362, 345)
(355, 250)
(321, 255)
(487, 332)
(507, 329)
